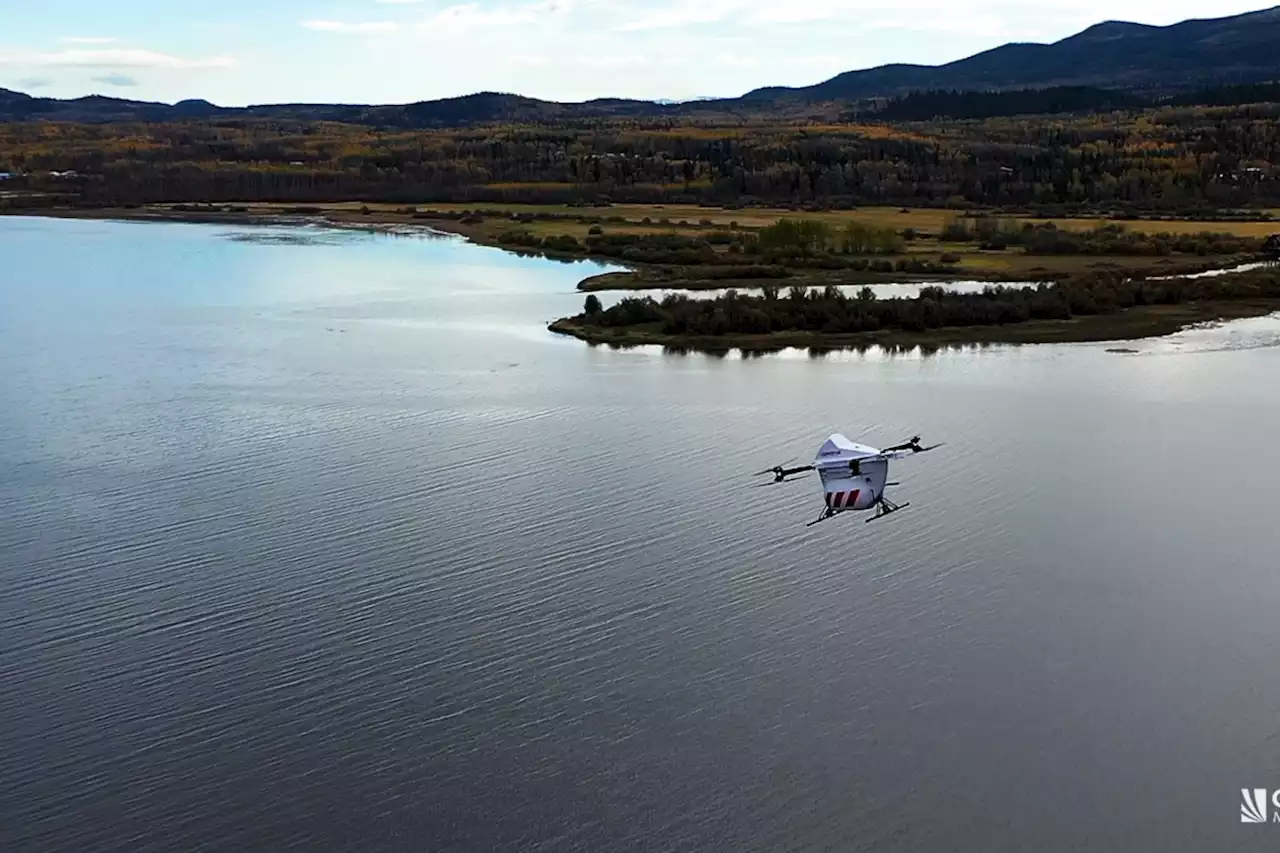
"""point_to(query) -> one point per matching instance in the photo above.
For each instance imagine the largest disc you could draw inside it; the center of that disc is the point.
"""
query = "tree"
(592, 306)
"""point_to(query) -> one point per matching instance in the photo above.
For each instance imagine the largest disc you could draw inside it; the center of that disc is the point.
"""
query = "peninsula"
(1090, 307)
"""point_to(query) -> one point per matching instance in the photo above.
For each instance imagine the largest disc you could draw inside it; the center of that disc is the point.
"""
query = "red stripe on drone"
(842, 500)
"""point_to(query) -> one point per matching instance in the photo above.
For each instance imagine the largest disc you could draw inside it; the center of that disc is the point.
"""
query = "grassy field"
(645, 219)
(967, 260)
(682, 218)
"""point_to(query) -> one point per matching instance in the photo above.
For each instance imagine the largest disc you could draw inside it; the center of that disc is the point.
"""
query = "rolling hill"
(1136, 60)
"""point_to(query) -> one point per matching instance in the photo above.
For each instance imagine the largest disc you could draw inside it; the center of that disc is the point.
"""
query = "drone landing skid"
(828, 513)
(887, 507)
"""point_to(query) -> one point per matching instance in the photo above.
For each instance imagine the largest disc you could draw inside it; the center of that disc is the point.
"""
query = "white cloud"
(992, 18)
(469, 16)
(87, 39)
(111, 58)
(683, 14)
(345, 27)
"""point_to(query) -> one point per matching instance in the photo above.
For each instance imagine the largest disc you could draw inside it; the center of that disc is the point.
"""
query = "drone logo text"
(1254, 807)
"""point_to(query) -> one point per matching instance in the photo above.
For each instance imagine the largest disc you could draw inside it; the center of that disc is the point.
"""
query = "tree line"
(1046, 238)
(930, 104)
(831, 311)
(1167, 158)
(949, 103)
(763, 254)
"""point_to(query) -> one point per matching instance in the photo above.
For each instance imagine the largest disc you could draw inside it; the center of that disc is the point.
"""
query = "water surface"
(317, 540)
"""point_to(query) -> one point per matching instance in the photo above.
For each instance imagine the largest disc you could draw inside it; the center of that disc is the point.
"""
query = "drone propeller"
(781, 473)
(913, 445)
(778, 481)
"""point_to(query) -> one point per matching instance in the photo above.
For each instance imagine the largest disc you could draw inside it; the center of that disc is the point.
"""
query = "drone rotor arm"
(781, 473)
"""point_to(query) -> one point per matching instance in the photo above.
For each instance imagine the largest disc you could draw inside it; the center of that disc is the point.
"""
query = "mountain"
(482, 106)
(1136, 58)
(1140, 61)
(445, 112)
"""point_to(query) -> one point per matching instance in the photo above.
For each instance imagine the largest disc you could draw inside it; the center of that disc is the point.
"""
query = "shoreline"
(628, 276)
(324, 215)
(632, 276)
(1132, 324)
(219, 217)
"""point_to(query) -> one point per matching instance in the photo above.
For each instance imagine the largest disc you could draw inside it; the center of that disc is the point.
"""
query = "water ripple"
(272, 587)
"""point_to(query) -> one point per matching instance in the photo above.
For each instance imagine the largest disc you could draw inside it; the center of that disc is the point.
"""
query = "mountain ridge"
(1133, 58)
(1153, 60)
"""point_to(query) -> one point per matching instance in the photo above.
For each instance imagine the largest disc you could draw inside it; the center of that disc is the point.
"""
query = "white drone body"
(854, 476)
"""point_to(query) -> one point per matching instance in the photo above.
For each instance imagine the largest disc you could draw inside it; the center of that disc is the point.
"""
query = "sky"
(240, 52)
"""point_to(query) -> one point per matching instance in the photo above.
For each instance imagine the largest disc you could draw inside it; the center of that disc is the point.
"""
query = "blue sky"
(236, 52)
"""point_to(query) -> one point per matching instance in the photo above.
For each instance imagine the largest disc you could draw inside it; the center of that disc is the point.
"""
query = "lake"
(318, 540)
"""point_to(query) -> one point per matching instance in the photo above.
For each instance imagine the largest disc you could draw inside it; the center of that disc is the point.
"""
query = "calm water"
(325, 544)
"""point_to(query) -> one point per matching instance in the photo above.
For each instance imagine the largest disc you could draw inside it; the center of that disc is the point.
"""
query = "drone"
(854, 476)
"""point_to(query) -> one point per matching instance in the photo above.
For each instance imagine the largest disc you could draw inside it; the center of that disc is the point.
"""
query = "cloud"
(921, 16)
(29, 83)
(469, 16)
(110, 58)
(87, 39)
(116, 80)
(982, 17)
(347, 28)
(683, 14)
(993, 19)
